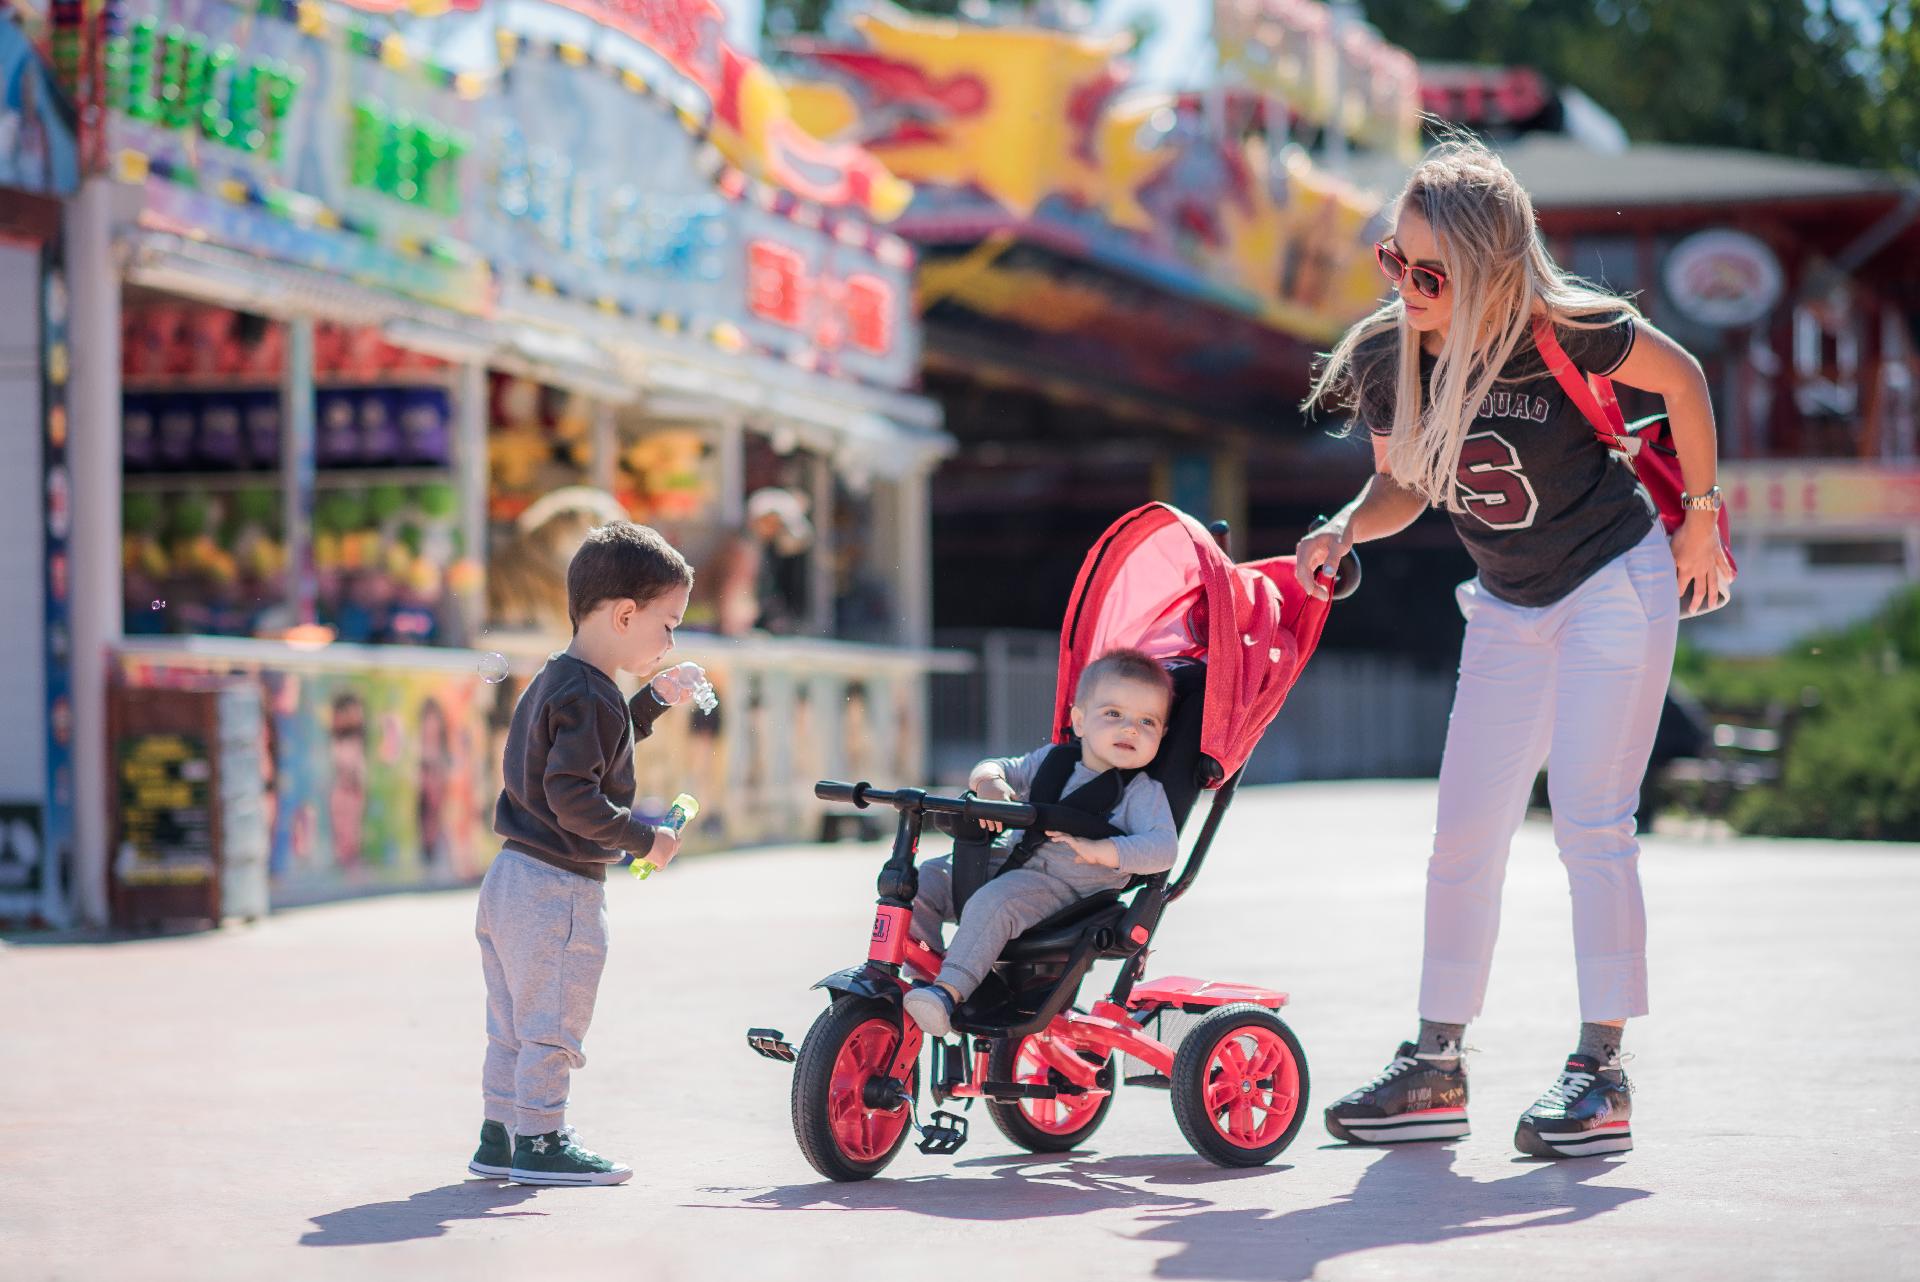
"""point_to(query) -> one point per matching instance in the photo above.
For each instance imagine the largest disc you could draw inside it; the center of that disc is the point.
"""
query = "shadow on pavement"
(424, 1215)
(1406, 1197)
(1024, 1187)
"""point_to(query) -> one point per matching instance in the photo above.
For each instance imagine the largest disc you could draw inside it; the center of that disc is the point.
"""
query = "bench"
(1729, 758)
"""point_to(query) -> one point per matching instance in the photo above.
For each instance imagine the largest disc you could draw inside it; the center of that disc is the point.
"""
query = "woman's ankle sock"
(1602, 1041)
(1440, 1043)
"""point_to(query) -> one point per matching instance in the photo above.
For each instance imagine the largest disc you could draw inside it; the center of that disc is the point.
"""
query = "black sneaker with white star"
(559, 1158)
(1586, 1111)
(1412, 1099)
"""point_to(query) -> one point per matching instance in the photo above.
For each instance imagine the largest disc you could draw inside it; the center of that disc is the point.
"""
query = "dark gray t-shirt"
(1545, 504)
(568, 769)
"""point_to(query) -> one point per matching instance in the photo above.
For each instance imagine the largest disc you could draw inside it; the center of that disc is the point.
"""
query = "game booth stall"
(406, 305)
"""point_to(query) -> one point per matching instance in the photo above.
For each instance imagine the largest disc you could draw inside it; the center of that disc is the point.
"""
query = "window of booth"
(541, 499)
(783, 485)
(865, 554)
(670, 473)
(203, 462)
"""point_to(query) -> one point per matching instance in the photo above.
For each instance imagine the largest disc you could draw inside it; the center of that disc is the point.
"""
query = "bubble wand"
(678, 816)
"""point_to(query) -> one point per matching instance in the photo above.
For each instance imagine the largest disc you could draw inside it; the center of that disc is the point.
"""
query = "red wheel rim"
(1253, 1086)
(1062, 1115)
(864, 1134)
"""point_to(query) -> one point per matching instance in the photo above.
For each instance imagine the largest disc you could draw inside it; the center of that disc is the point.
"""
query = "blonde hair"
(1501, 276)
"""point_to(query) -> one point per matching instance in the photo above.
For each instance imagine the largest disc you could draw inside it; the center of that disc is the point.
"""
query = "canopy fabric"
(1156, 581)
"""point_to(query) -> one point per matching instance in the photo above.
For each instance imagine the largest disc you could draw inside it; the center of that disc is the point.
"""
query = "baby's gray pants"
(998, 911)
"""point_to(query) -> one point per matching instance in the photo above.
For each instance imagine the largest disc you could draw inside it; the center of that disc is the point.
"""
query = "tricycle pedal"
(943, 1133)
(772, 1043)
(1153, 1081)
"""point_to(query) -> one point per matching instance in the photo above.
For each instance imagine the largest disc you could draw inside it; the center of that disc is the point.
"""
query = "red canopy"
(1156, 581)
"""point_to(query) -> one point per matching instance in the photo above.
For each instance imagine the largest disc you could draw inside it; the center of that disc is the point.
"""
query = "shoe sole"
(1405, 1128)
(489, 1172)
(571, 1179)
(1615, 1137)
(936, 1015)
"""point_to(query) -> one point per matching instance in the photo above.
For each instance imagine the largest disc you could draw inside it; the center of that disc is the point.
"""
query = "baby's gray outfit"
(1054, 878)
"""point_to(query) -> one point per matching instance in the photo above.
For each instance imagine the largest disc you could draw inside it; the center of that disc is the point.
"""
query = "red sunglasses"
(1427, 281)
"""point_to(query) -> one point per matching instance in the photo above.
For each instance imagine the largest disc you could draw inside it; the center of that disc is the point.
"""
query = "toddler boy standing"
(565, 814)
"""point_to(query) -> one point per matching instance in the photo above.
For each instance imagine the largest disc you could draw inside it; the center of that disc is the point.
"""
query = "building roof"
(1562, 174)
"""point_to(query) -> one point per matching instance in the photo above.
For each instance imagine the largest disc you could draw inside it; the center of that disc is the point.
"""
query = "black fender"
(869, 979)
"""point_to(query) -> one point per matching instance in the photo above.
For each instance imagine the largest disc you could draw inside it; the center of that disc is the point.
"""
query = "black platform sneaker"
(1586, 1111)
(1412, 1099)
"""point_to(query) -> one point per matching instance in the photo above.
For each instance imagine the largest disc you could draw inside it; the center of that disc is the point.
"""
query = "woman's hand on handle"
(1383, 507)
(1322, 548)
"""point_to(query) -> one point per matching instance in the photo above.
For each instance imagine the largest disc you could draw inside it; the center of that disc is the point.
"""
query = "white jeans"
(1581, 681)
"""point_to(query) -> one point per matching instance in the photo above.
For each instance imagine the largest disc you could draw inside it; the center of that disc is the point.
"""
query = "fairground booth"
(402, 305)
(1797, 285)
(1123, 286)
(39, 167)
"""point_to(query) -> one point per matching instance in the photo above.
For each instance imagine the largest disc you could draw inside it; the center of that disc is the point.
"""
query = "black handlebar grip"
(833, 790)
(1348, 581)
(1013, 814)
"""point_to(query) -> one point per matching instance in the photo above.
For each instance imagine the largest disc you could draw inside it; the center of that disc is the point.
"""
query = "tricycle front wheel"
(835, 1119)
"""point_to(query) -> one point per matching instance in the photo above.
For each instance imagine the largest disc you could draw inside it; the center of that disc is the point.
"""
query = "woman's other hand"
(1700, 561)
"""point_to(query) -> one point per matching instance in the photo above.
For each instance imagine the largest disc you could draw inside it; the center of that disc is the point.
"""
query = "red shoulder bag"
(1647, 444)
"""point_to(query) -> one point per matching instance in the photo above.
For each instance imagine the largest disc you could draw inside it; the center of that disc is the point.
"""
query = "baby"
(1120, 711)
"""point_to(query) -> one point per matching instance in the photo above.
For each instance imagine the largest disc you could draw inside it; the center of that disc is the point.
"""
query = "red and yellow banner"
(1025, 126)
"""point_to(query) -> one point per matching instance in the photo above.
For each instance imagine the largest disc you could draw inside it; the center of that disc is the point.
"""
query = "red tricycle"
(1233, 638)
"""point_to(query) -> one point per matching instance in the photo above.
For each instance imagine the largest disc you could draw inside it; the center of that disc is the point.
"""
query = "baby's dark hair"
(622, 561)
(1123, 665)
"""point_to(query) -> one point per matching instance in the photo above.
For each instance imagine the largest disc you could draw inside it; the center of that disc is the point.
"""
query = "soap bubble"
(158, 604)
(492, 667)
(704, 697)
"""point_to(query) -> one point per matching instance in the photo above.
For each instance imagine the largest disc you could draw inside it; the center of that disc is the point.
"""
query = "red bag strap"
(1596, 402)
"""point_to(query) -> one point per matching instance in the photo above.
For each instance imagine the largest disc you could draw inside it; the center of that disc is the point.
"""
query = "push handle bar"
(1011, 813)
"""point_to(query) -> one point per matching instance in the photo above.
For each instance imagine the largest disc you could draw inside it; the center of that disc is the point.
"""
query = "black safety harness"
(1082, 812)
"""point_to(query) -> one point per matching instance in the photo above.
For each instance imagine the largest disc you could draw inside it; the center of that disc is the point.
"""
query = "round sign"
(1723, 278)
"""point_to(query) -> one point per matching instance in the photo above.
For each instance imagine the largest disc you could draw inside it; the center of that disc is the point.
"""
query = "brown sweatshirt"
(568, 769)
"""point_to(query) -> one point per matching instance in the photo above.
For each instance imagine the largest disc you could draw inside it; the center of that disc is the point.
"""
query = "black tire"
(1023, 1130)
(1194, 1068)
(813, 1089)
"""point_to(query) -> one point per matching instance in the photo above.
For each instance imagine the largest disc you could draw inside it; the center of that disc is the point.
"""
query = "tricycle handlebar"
(1011, 813)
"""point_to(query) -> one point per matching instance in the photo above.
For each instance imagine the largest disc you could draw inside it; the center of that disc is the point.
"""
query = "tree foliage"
(1810, 78)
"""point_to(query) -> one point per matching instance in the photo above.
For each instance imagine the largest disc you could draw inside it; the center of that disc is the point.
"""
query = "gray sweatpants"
(999, 910)
(543, 944)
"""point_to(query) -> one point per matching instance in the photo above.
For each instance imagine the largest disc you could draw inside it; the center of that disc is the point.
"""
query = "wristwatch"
(1711, 501)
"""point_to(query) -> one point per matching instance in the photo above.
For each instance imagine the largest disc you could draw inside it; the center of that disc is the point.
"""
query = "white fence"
(1351, 716)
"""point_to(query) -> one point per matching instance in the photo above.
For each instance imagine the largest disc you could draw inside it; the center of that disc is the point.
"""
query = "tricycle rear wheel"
(1240, 1086)
(1044, 1125)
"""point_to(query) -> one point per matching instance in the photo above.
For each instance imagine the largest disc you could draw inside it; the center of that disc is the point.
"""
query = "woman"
(1570, 622)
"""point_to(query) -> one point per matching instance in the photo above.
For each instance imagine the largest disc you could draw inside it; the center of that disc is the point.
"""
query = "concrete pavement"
(298, 1099)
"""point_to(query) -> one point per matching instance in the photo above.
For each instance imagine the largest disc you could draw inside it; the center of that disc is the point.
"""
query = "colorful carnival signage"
(37, 152)
(281, 128)
(1723, 278)
(1325, 68)
(743, 106)
(604, 190)
(1025, 132)
(1804, 497)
